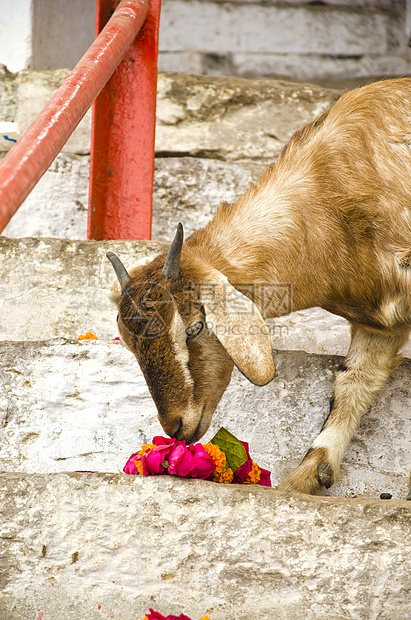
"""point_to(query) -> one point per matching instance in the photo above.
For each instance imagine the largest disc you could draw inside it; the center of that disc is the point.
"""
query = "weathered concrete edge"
(385, 507)
(153, 536)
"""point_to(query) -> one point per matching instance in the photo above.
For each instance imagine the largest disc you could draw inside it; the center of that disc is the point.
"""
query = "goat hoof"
(408, 495)
(325, 475)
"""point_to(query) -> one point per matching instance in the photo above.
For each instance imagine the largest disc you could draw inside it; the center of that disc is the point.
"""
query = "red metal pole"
(30, 157)
(122, 145)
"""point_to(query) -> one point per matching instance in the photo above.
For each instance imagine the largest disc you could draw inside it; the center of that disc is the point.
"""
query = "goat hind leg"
(370, 361)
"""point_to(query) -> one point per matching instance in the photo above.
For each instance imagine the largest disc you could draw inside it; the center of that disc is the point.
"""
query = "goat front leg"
(371, 358)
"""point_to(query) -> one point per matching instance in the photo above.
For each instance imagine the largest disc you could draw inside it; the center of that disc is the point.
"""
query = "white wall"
(15, 34)
(45, 34)
(63, 30)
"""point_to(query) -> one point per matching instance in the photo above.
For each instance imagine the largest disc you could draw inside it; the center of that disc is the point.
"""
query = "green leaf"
(232, 448)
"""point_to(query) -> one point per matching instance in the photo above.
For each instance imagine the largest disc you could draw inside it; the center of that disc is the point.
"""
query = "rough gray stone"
(8, 95)
(57, 206)
(56, 287)
(232, 118)
(335, 72)
(34, 90)
(385, 5)
(193, 25)
(186, 189)
(339, 42)
(85, 406)
(189, 190)
(219, 117)
(344, 72)
(111, 546)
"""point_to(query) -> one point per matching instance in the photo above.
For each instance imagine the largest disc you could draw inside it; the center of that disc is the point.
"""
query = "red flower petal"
(204, 464)
(181, 461)
(129, 467)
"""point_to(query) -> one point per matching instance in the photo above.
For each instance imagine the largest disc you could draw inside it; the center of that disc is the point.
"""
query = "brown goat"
(331, 219)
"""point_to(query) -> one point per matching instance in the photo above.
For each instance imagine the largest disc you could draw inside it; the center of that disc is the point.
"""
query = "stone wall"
(332, 41)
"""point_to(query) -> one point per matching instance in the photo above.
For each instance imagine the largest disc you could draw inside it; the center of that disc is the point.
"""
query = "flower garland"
(155, 615)
(224, 459)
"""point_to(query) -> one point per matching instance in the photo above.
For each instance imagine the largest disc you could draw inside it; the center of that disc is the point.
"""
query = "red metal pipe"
(30, 157)
(122, 144)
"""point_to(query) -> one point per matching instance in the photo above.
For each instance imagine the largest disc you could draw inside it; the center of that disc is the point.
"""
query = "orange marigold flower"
(139, 467)
(254, 476)
(225, 477)
(218, 457)
(139, 464)
(88, 336)
(147, 446)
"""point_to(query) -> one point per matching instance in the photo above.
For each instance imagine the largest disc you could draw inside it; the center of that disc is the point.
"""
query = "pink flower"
(245, 468)
(181, 461)
(130, 466)
(265, 478)
(152, 459)
(204, 464)
(163, 441)
(155, 615)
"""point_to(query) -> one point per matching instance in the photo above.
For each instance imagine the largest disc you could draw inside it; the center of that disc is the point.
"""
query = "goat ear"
(239, 326)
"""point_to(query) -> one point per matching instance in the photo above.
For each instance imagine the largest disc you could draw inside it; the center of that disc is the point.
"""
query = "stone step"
(60, 288)
(186, 189)
(69, 406)
(196, 114)
(112, 546)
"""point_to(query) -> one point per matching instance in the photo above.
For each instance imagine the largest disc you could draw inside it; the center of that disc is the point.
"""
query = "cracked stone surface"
(231, 118)
(60, 288)
(186, 189)
(219, 117)
(111, 546)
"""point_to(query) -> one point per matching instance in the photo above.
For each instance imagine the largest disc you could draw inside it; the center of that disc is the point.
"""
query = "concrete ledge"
(233, 119)
(221, 117)
(105, 546)
(186, 189)
(56, 287)
(223, 28)
(85, 406)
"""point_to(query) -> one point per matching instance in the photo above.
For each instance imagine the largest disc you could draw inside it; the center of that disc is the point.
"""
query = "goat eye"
(195, 329)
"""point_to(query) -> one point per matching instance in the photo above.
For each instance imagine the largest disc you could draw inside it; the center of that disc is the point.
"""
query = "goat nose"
(179, 430)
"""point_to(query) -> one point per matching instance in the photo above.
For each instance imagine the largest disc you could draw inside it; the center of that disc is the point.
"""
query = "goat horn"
(121, 271)
(171, 267)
